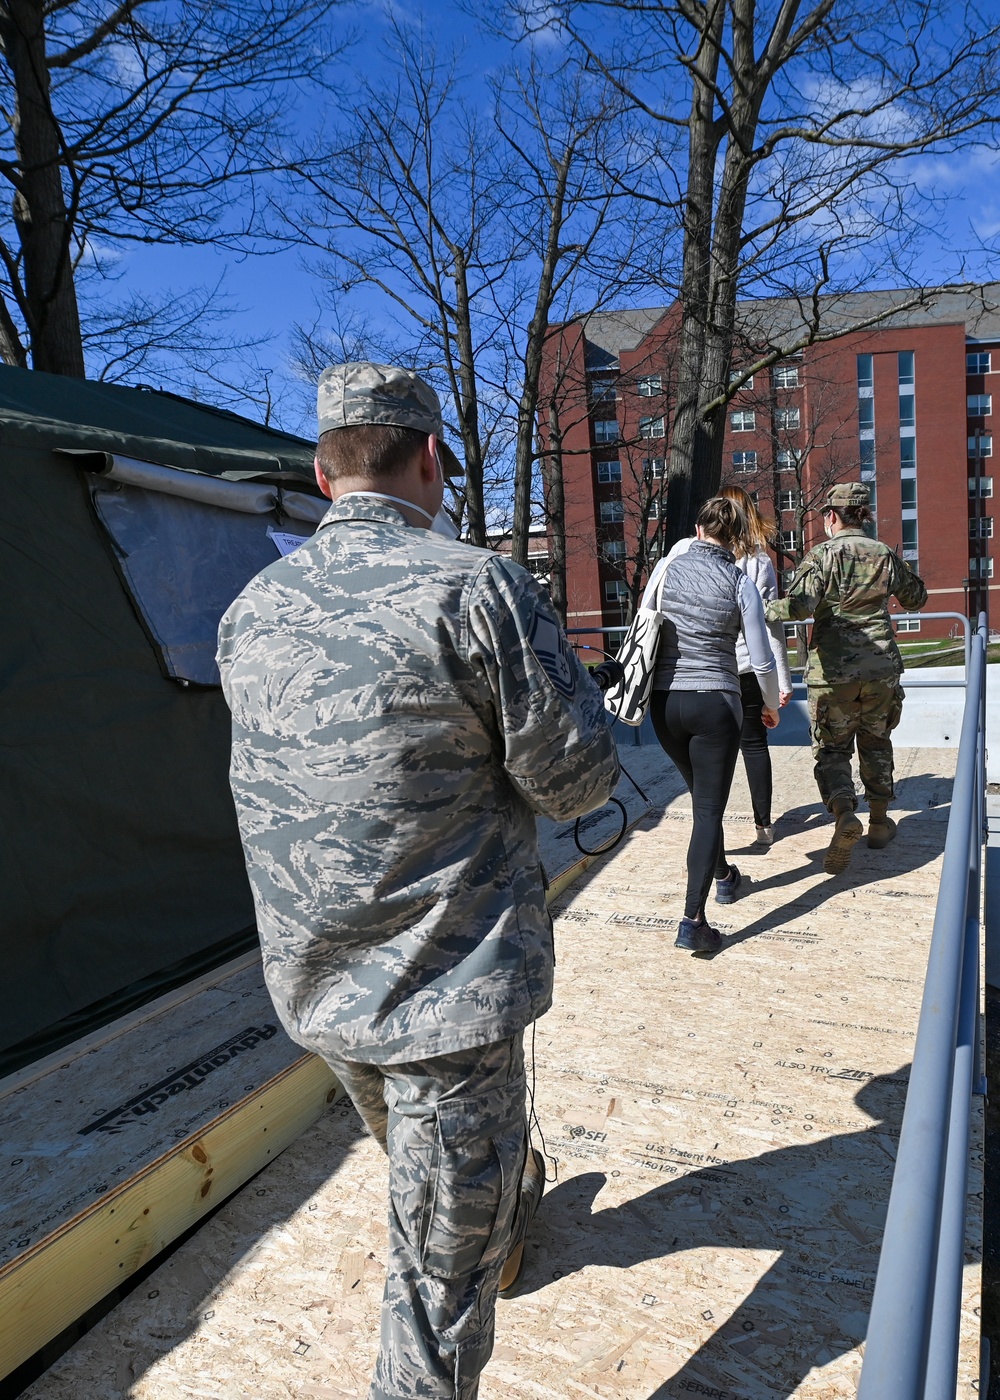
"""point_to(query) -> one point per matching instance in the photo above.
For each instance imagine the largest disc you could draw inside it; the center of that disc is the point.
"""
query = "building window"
(744, 461)
(787, 418)
(909, 534)
(654, 508)
(907, 411)
(538, 564)
(789, 458)
(652, 468)
(907, 453)
(608, 472)
(977, 362)
(603, 391)
(980, 568)
(734, 374)
(785, 376)
(979, 405)
(985, 528)
(867, 446)
(866, 413)
(789, 500)
(789, 541)
(649, 385)
(650, 427)
(906, 366)
(743, 421)
(908, 493)
(612, 512)
(981, 445)
(866, 371)
(613, 549)
(908, 624)
(606, 430)
(985, 486)
(615, 591)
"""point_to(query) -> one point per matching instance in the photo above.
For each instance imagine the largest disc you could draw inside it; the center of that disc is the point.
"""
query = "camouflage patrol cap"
(361, 392)
(847, 494)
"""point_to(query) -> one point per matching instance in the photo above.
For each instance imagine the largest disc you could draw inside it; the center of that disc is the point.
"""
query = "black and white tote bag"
(629, 699)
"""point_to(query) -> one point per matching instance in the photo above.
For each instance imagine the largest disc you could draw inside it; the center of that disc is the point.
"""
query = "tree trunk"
(712, 248)
(524, 457)
(555, 501)
(466, 392)
(696, 280)
(43, 220)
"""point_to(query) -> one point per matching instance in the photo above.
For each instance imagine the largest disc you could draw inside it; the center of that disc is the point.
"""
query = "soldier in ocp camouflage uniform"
(402, 706)
(854, 664)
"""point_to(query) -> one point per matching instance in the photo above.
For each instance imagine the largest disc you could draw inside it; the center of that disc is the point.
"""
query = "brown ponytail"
(723, 520)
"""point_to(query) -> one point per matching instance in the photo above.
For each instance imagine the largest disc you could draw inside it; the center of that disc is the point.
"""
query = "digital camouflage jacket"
(403, 705)
(845, 583)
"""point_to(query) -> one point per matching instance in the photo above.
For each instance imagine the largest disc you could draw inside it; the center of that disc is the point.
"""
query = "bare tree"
(569, 140)
(405, 199)
(786, 127)
(138, 121)
(474, 222)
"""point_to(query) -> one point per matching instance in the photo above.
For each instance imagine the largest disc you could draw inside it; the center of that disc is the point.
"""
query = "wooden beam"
(49, 1286)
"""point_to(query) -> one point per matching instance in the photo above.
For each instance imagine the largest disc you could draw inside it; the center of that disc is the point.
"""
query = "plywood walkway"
(723, 1131)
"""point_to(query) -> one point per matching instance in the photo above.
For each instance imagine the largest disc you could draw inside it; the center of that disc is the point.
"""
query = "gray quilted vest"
(701, 622)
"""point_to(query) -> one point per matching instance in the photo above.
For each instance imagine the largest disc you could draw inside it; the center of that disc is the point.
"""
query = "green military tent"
(129, 520)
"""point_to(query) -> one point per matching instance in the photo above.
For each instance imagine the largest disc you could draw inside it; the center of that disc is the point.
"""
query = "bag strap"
(659, 591)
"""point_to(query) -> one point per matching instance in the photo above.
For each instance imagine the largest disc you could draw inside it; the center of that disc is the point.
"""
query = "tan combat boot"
(532, 1186)
(881, 828)
(847, 831)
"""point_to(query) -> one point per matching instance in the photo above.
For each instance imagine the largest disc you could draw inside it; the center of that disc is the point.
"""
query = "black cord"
(614, 801)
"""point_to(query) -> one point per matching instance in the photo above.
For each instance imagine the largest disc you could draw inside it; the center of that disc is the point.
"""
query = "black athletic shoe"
(727, 890)
(697, 938)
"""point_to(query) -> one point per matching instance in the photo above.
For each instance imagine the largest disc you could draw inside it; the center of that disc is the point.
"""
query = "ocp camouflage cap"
(362, 392)
(846, 494)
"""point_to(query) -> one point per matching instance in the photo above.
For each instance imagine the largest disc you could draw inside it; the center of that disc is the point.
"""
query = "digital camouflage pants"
(455, 1132)
(865, 712)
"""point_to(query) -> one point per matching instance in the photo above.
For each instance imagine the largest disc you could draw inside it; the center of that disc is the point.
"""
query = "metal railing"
(913, 1330)
(913, 684)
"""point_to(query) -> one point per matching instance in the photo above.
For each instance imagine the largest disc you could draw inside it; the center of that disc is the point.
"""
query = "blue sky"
(275, 290)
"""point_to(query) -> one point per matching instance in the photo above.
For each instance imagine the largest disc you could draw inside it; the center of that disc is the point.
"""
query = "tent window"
(185, 559)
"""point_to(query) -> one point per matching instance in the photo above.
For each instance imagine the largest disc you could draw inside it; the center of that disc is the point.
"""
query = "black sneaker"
(727, 890)
(697, 938)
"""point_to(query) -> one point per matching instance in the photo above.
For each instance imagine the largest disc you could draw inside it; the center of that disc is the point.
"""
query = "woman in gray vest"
(707, 604)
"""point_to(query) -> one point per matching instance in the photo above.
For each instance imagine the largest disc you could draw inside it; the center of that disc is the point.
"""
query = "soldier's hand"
(769, 717)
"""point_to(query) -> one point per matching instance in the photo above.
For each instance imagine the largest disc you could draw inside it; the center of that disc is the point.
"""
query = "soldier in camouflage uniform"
(403, 705)
(854, 664)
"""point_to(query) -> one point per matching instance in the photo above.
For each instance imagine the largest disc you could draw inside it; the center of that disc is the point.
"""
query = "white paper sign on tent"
(285, 543)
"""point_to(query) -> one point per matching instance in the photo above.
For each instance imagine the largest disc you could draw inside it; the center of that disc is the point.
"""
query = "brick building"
(906, 406)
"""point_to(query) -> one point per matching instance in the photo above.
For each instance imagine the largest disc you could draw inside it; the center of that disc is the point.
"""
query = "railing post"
(915, 1285)
(942, 1346)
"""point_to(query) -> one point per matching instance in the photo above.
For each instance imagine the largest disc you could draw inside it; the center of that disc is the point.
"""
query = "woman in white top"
(753, 559)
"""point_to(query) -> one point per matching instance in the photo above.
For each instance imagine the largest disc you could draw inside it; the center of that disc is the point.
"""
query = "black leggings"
(753, 746)
(700, 731)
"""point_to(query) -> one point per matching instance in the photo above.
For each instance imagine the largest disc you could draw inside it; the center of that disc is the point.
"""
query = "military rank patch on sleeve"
(549, 646)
